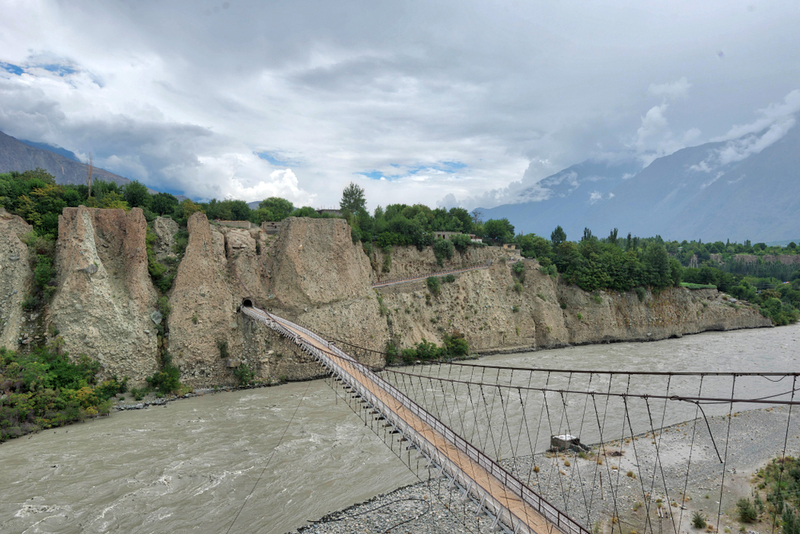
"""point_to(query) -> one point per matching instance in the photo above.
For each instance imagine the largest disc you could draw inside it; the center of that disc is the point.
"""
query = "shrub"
(461, 242)
(515, 308)
(409, 356)
(163, 306)
(549, 270)
(450, 278)
(747, 512)
(428, 351)
(244, 375)
(167, 380)
(181, 242)
(443, 249)
(222, 345)
(392, 353)
(698, 520)
(30, 303)
(455, 344)
(518, 287)
(434, 286)
(519, 271)
(641, 293)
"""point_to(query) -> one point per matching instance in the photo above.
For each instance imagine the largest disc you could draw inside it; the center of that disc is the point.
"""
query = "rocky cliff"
(105, 297)
(16, 277)
(312, 273)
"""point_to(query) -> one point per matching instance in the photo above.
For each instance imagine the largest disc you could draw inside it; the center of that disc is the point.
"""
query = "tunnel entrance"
(247, 303)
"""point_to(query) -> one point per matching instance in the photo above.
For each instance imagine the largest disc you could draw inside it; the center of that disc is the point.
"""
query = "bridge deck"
(513, 503)
(497, 489)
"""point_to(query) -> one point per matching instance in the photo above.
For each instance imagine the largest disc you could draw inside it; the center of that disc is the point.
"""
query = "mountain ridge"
(21, 156)
(693, 193)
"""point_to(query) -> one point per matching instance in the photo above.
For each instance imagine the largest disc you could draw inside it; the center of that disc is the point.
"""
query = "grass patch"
(689, 285)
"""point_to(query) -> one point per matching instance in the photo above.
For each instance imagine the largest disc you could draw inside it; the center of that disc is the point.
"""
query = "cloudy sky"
(414, 101)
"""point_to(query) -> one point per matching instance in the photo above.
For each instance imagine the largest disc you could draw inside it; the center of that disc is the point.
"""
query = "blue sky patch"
(61, 70)
(266, 156)
(448, 167)
(374, 175)
(13, 69)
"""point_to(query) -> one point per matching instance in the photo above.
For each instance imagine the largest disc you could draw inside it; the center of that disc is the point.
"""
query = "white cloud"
(745, 140)
(674, 91)
(341, 89)
(654, 125)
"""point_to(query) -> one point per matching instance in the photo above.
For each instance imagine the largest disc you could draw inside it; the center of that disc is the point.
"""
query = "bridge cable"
(289, 424)
(725, 463)
(783, 454)
(691, 450)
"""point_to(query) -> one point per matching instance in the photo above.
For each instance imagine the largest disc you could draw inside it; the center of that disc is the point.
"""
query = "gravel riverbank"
(648, 483)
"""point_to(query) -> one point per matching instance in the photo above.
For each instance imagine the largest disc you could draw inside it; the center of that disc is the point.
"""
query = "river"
(198, 465)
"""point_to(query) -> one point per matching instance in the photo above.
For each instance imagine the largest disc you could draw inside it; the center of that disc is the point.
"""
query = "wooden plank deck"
(494, 487)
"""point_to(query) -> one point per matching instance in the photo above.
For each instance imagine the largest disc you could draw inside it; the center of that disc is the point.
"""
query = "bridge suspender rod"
(505, 496)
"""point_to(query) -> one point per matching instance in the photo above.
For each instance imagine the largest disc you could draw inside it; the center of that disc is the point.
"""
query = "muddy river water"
(233, 458)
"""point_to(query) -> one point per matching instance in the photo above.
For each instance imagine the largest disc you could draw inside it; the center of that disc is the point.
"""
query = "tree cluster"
(44, 389)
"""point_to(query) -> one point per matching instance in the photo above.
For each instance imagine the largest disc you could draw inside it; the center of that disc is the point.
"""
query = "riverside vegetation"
(591, 263)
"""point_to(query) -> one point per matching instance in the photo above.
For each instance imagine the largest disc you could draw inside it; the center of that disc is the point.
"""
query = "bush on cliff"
(434, 285)
(455, 346)
(443, 249)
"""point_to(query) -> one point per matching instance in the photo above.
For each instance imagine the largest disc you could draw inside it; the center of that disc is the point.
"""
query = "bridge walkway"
(505, 497)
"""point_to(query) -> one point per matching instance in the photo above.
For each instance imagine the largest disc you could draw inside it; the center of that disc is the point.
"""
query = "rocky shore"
(663, 493)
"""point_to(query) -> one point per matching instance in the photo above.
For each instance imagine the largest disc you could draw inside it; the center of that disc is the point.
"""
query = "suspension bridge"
(512, 441)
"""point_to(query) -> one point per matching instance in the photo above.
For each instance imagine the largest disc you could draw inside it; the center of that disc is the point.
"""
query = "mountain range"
(16, 155)
(715, 191)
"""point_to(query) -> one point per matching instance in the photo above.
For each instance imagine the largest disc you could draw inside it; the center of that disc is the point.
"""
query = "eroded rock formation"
(16, 277)
(105, 296)
(312, 273)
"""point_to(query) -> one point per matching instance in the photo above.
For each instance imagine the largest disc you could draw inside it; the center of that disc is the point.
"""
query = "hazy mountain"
(52, 148)
(568, 196)
(715, 191)
(16, 155)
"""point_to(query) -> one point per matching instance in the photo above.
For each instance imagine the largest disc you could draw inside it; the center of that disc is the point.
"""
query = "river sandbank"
(673, 488)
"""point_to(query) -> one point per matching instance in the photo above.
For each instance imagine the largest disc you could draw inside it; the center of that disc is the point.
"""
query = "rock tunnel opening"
(247, 303)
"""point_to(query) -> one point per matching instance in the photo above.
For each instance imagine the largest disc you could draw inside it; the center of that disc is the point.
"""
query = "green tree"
(558, 236)
(534, 246)
(499, 230)
(136, 195)
(163, 203)
(274, 209)
(353, 198)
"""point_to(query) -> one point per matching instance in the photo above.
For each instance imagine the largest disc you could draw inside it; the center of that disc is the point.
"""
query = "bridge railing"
(510, 482)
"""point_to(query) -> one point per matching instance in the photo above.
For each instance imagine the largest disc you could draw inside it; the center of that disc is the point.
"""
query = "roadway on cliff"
(485, 265)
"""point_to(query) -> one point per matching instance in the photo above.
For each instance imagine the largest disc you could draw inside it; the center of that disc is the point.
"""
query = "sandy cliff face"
(313, 274)
(105, 296)
(314, 262)
(204, 305)
(484, 306)
(16, 277)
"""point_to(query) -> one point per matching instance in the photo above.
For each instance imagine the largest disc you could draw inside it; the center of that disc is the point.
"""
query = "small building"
(247, 225)
(446, 235)
(271, 227)
(336, 212)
